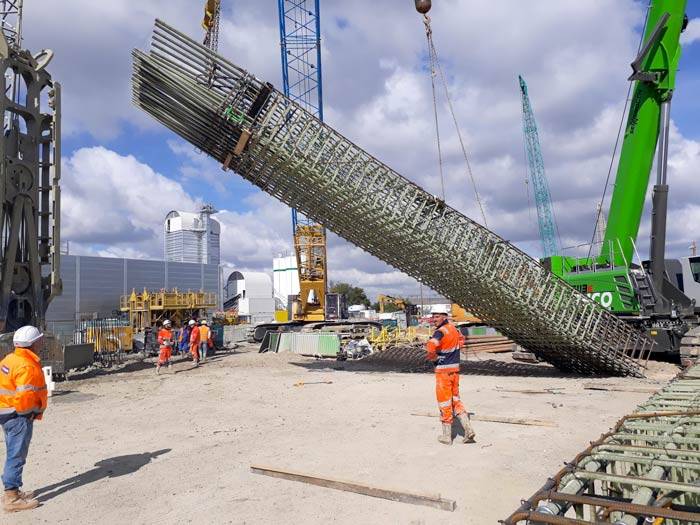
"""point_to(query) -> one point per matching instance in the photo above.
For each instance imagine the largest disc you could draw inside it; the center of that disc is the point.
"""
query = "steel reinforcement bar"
(275, 144)
(646, 468)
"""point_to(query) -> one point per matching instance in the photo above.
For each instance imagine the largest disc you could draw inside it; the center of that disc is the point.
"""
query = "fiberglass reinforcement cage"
(275, 144)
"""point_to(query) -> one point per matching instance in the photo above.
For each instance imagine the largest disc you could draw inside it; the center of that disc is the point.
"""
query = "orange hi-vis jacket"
(194, 336)
(22, 384)
(165, 337)
(445, 345)
(204, 334)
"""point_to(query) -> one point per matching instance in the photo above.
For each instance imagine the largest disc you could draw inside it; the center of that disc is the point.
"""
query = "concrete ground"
(134, 447)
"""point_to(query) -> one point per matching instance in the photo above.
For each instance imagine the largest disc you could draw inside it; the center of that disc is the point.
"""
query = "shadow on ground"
(136, 364)
(484, 367)
(107, 468)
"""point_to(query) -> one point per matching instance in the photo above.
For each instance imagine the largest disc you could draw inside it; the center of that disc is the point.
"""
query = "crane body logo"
(604, 298)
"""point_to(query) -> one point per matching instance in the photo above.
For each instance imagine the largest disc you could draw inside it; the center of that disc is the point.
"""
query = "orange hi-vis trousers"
(194, 350)
(165, 354)
(447, 390)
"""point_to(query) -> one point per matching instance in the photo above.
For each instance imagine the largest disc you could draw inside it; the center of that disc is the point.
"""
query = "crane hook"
(423, 6)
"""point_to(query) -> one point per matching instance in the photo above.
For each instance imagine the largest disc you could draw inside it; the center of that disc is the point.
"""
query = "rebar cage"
(283, 149)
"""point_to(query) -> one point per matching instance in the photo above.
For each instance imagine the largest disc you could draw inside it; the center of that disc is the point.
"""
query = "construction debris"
(275, 144)
(410, 357)
(488, 344)
(429, 500)
(646, 468)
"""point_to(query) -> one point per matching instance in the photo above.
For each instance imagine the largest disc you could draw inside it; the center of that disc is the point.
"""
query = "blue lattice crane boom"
(549, 235)
(300, 49)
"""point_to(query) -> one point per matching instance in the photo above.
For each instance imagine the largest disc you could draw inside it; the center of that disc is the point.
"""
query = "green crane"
(549, 235)
(642, 294)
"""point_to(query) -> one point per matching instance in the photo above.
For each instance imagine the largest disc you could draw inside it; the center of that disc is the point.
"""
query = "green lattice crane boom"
(545, 213)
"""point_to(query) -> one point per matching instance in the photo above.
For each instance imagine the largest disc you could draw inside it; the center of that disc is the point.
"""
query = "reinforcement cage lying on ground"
(647, 467)
(275, 144)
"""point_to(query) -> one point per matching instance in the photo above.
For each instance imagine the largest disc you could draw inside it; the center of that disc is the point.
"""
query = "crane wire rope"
(436, 66)
(617, 140)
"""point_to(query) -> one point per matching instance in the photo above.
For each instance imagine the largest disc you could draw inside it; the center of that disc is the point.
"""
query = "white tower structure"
(193, 237)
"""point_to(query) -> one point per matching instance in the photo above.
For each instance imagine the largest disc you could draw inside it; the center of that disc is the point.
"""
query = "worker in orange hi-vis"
(166, 341)
(23, 399)
(194, 343)
(204, 339)
(444, 348)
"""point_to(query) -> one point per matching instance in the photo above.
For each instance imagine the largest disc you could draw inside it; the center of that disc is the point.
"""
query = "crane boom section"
(655, 75)
(543, 199)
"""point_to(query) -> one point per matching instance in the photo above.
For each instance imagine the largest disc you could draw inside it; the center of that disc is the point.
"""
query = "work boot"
(157, 369)
(469, 433)
(170, 366)
(446, 437)
(26, 495)
(12, 501)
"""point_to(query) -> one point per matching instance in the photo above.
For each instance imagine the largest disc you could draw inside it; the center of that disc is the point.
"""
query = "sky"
(122, 171)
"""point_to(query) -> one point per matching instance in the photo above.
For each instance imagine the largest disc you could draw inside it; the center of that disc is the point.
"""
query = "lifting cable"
(436, 68)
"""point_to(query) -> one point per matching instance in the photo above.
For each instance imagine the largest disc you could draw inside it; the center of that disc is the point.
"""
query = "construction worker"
(204, 339)
(184, 339)
(194, 342)
(23, 399)
(444, 349)
(165, 340)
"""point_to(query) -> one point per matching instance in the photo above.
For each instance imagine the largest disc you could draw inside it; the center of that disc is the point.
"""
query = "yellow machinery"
(148, 308)
(383, 300)
(310, 248)
(380, 339)
(460, 315)
(109, 338)
(226, 317)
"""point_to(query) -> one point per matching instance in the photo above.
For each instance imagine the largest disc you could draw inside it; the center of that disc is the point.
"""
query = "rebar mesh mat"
(275, 144)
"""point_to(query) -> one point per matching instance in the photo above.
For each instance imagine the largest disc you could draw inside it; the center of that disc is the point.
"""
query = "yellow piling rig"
(148, 308)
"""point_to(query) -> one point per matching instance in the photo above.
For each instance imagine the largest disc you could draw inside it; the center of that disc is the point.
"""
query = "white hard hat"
(167, 322)
(203, 321)
(192, 322)
(439, 309)
(26, 336)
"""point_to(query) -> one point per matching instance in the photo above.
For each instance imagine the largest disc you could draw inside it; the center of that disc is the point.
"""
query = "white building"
(192, 237)
(251, 292)
(285, 276)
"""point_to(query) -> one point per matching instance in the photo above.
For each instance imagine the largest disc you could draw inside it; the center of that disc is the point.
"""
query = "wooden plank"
(530, 391)
(429, 500)
(607, 387)
(499, 419)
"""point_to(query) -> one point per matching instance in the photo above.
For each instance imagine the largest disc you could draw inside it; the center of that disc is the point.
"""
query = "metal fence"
(275, 144)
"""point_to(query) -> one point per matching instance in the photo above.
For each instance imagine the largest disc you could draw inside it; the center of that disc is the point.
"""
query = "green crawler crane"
(641, 293)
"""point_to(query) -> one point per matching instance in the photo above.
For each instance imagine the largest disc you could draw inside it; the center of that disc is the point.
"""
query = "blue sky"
(575, 56)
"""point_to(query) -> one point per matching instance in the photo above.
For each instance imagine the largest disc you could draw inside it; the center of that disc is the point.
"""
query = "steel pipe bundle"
(273, 143)
(647, 467)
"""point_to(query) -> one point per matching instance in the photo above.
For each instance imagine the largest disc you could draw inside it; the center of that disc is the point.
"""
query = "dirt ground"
(134, 447)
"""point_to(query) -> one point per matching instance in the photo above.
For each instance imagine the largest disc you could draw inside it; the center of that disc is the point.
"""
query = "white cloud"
(116, 200)
(114, 206)
(692, 32)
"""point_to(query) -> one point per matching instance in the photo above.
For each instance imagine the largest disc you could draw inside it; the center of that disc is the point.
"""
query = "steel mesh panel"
(304, 163)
